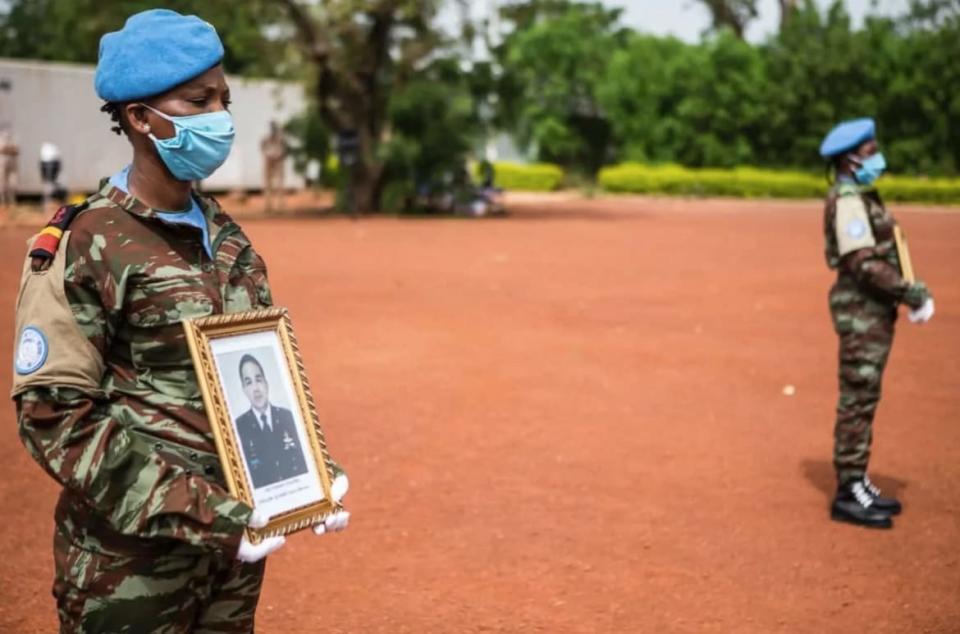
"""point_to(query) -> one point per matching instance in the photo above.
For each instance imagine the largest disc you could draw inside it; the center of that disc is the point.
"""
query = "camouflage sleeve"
(253, 268)
(76, 440)
(875, 273)
(86, 450)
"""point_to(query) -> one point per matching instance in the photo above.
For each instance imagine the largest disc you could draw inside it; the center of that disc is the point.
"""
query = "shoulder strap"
(48, 240)
(848, 189)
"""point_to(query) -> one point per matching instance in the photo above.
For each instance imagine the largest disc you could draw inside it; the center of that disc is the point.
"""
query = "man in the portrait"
(268, 433)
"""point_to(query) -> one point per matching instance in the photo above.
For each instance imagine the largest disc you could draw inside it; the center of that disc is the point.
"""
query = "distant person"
(314, 175)
(860, 246)
(50, 166)
(271, 446)
(274, 150)
(9, 169)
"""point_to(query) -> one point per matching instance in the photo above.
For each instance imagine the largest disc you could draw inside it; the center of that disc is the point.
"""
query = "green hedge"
(746, 182)
(635, 178)
(536, 177)
(920, 190)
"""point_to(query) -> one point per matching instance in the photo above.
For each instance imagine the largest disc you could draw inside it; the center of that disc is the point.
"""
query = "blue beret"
(848, 136)
(153, 52)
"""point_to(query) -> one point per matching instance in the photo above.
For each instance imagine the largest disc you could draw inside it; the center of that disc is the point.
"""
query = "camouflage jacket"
(873, 271)
(133, 448)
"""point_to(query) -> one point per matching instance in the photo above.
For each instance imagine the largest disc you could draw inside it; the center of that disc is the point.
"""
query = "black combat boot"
(854, 504)
(887, 505)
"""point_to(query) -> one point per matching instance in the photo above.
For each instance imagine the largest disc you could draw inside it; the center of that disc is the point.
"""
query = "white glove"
(339, 487)
(333, 524)
(250, 552)
(338, 521)
(923, 314)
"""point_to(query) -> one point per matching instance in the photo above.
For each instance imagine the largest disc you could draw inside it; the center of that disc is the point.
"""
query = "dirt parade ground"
(611, 415)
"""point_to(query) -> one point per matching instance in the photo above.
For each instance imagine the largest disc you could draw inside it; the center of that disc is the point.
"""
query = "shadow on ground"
(821, 475)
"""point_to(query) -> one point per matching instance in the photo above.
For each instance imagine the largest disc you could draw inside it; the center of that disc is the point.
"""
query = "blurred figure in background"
(274, 150)
(9, 166)
(50, 165)
(313, 175)
(861, 247)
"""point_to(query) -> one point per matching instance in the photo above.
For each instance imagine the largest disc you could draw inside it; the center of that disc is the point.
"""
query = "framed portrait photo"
(263, 417)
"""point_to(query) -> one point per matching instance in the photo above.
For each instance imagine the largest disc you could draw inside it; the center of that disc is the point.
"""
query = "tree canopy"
(566, 79)
(725, 102)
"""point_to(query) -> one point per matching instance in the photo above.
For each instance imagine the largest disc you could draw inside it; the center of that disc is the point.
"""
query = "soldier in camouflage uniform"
(147, 538)
(860, 246)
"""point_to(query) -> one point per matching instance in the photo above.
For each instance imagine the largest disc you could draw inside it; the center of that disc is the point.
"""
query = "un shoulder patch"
(853, 229)
(32, 350)
(856, 228)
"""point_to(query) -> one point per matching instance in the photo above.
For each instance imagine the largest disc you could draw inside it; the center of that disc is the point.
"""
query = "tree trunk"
(366, 186)
(787, 7)
(724, 15)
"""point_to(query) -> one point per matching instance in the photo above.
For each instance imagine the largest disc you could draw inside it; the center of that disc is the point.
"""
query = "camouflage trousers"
(151, 594)
(865, 327)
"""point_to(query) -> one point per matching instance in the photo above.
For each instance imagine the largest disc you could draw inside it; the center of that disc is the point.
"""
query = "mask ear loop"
(162, 116)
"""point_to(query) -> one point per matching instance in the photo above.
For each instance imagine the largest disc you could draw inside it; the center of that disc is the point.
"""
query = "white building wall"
(56, 103)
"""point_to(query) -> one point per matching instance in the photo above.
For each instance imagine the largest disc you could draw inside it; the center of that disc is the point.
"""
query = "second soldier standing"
(861, 247)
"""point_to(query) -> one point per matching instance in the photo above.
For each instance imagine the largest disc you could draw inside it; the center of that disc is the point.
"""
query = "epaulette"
(48, 241)
(848, 189)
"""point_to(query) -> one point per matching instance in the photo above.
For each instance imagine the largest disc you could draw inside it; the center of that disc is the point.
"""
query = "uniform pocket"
(157, 306)
(74, 566)
(100, 592)
(169, 309)
(76, 573)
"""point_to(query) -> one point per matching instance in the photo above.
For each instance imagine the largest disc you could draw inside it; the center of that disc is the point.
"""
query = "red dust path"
(573, 420)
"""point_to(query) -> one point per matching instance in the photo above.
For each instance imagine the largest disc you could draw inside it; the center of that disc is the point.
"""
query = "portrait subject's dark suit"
(272, 455)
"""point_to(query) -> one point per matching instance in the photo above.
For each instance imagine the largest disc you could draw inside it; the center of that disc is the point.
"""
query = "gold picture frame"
(264, 342)
(903, 254)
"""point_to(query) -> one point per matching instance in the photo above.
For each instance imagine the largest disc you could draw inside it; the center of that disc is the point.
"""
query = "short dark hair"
(114, 109)
(249, 358)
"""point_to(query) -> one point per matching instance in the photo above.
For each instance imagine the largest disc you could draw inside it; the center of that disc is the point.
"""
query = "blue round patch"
(31, 350)
(856, 229)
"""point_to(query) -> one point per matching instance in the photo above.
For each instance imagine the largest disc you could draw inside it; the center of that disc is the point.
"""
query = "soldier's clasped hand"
(923, 314)
(338, 521)
(250, 552)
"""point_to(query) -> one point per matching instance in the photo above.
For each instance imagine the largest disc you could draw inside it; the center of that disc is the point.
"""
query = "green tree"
(551, 63)
(70, 30)
(737, 14)
(354, 55)
(933, 12)
(921, 108)
(361, 53)
(693, 104)
(434, 122)
(732, 14)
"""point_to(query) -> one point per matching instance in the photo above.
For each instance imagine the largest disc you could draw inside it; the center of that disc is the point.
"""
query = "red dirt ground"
(573, 420)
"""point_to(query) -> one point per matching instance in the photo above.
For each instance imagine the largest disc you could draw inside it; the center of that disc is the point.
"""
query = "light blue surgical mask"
(201, 144)
(870, 169)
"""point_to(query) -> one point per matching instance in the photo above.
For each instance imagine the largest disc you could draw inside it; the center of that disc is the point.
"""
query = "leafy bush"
(395, 196)
(747, 182)
(537, 177)
(910, 189)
